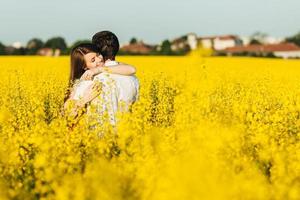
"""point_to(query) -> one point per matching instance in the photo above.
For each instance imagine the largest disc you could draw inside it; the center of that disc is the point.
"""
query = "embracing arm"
(121, 68)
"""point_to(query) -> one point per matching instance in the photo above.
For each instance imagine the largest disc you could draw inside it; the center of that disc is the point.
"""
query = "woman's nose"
(99, 61)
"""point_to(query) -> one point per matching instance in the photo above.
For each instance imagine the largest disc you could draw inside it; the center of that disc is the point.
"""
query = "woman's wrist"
(101, 69)
(105, 69)
(80, 103)
(97, 70)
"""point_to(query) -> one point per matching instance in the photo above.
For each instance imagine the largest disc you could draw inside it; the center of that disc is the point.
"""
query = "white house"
(17, 45)
(220, 42)
(283, 50)
(224, 42)
(206, 42)
(272, 40)
(192, 40)
(189, 40)
(245, 40)
(287, 50)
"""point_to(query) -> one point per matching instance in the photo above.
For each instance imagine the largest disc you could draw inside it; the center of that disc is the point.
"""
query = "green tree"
(294, 39)
(166, 48)
(68, 50)
(2, 49)
(258, 37)
(34, 45)
(56, 43)
(79, 42)
(133, 40)
(19, 51)
(254, 41)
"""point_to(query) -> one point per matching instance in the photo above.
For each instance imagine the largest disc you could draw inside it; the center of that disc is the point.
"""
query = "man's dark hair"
(107, 43)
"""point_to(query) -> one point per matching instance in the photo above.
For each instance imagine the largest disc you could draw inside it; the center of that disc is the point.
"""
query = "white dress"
(80, 88)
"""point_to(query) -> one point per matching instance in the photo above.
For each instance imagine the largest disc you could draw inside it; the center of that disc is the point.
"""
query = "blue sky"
(152, 21)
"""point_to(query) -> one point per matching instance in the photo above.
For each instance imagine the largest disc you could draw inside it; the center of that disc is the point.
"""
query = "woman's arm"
(121, 68)
(73, 107)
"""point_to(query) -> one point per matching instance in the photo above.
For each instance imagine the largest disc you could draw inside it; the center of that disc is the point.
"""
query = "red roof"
(137, 48)
(221, 37)
(227, 37)
(264, 48)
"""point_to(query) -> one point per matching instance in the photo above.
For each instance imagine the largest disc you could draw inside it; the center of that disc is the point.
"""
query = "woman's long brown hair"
(78, 64)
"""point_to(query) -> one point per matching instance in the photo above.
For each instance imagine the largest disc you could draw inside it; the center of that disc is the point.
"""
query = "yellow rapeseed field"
(203, 128)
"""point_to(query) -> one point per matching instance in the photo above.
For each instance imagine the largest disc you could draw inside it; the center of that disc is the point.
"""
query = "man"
(119, 92)
(108, 45)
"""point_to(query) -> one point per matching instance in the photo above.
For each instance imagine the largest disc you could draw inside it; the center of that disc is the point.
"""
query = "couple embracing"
(99, 85)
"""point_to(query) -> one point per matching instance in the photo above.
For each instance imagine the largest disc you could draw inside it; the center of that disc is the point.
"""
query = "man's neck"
(110, 62)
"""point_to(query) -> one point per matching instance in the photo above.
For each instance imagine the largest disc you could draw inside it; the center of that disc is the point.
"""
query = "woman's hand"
(90, 93)
(88, 74)
(73, 108)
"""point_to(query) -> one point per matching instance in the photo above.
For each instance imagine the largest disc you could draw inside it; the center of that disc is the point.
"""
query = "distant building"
(188, 41)
(220, 42)
(48, 52)
(264, 40)
(9, 50)
(272, 40)
(57, 52)
(17, 45)
(137, 48)
(192, 41)
(245, 40)
(207, 42)
(283, 50)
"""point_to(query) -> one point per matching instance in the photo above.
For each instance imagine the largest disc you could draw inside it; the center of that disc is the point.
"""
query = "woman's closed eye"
(91, 60)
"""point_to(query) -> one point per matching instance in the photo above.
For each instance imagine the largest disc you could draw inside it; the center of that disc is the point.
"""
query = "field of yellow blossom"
(203, 128)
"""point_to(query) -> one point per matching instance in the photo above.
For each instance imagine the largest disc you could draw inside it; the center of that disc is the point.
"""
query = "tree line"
(34, 45)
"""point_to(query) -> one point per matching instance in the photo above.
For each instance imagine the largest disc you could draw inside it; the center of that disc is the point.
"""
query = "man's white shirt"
(127, 86)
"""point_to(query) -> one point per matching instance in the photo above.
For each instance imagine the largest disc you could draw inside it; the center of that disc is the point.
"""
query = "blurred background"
(268, 28)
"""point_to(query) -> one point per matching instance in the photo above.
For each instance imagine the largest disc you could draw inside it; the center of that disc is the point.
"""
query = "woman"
(85, 63)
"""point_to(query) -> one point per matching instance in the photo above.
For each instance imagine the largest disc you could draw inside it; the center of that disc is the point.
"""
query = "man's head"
(107, 43)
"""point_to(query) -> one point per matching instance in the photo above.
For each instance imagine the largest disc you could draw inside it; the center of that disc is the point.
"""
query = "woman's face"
(93, 60)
